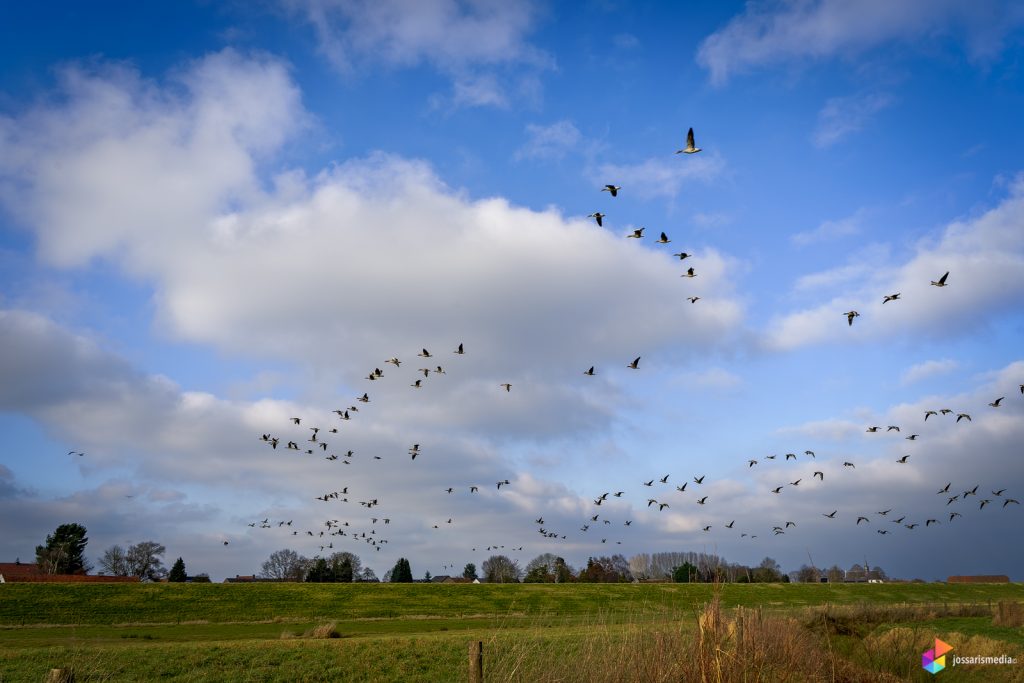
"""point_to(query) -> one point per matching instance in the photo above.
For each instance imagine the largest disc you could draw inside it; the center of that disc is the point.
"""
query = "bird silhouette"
(941, 282)
(597, 216)
(691, 147)
(850, 315)
(613, 190)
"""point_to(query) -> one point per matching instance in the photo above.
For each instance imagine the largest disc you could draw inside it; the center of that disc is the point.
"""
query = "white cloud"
(459, 38)
(927, 369)
(553, 141)
(985, 258)
(769, 32)
(842, 116)
(830, 230)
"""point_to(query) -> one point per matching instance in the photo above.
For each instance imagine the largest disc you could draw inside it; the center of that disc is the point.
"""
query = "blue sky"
(217, 217)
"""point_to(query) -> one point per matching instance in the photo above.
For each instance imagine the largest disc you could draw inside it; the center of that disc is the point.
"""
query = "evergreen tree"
(401, 572)
(470, 571)
(319, 572)
(177, 574)
(64, 551)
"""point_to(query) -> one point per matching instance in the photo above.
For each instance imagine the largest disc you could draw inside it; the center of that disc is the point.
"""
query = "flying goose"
(394, 361)
(613, 190)
(693, 299)
(700, 479)
(903, 460)
(507, 386)
(960, 416)
(941, 282)
(832, 515)
(819, 475)
(590, 371)
(689, 273)
(424, 354)
(995, 403)
(927, 413)
(702, 500)
(690, 148)
(663, 239)
(850, 315)
(891, 297)
(637, 234)
(460, 350)
(635, 364)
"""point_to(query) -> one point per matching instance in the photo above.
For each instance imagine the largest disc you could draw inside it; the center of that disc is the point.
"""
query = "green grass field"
(421, 632)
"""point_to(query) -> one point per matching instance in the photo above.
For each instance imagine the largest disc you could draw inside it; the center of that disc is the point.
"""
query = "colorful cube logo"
(933, 661)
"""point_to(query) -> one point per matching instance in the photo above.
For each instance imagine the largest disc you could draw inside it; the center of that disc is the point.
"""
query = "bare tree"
(145, 560)
(501, 569)
(285, 565)
(115, 561)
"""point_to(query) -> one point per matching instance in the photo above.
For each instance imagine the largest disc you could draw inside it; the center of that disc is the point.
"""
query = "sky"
(215, 217)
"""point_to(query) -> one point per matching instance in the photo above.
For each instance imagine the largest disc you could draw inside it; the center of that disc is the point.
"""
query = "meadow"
(544, 632)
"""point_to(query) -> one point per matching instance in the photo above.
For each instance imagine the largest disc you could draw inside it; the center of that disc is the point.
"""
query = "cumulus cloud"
(985, 257)
(770, 32)
(326, 275)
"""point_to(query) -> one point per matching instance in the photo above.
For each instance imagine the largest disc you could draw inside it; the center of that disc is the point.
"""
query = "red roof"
(14, 569)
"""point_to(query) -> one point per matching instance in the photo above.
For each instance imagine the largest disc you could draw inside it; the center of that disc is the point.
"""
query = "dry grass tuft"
(325, 630)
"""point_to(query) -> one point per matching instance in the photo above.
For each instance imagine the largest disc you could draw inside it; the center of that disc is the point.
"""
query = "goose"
(649, 483)
(903, 460)
(702, 500)
(417, 384)
(618, 494)
(700, 479)
(789, 524)
(960, 416)
(995, 403)
(831, 515)
(425, 371)
(999, 492)
(636, 234)
(693, 299)
(881, 531)
(364, 398)
(729, 525)
(297, 420)
(682, 255)
(945, 411)
(790, 456)
(394, 361)
(819, 475)
(751, 463)
(953, 498)
(912, 526)
(850, 315)
(928, 413)
(984, 503)
(707, 528)
(912, 437)
(849, 464)
(863, 519)
(461, 351)
(590, 371)
(424, 354)
(941, 282)
(931, 521)
(80, 454)
(795, 483)
(597, 216)
(689, 273)
(613, 190)
(892, 428)
(663, 239)
(691, 147)
(635, 365)
(664, 480)
(945, 489)
(439, 370)
(884, 512)
(777, 490)
(682, 489)
(1011, 500)
(507, 386)
(900, 520)
(891, 297)
(662, 506)
(972, 492)
(810, 453)
(873, 429)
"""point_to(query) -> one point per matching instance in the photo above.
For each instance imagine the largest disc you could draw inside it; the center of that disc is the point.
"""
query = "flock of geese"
(604, 523)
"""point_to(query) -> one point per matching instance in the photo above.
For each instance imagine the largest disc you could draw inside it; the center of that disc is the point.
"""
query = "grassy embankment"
(530, 632)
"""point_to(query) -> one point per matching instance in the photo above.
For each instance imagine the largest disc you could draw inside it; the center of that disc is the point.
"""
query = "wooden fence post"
(60, 676)
(476, 662)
